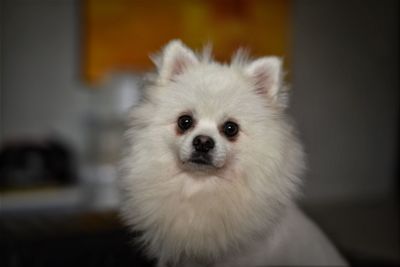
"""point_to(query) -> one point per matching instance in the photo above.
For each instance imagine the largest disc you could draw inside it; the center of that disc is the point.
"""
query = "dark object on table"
(30, 163)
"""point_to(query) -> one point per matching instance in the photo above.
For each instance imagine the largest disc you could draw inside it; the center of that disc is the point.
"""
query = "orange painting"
(121, 34)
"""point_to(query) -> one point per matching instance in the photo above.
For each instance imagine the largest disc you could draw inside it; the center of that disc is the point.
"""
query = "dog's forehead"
(216, 83)
(213, 103)
(217, 75)
(212, 92)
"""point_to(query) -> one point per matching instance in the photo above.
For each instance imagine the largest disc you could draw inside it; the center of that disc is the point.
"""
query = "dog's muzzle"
(203, 146)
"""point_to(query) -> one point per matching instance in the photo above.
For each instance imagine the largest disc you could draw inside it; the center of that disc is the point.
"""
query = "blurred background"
(70, 70)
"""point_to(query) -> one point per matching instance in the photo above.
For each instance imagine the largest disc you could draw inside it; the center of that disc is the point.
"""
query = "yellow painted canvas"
(121, 34)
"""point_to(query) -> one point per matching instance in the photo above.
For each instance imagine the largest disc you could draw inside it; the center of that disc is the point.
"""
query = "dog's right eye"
(185, 122)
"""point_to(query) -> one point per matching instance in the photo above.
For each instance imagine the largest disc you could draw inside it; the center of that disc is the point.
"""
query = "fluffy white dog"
(213, 167)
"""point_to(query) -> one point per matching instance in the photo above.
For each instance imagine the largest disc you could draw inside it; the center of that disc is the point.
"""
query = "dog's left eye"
(185, 122)
(230, 129)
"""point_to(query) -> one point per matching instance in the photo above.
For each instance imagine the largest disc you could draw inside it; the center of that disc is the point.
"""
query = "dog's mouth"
(201, 162)
(201, 159)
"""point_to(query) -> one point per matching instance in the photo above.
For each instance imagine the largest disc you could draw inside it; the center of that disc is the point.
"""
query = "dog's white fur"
(240, 211)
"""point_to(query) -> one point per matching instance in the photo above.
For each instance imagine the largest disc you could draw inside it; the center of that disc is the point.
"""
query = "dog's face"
(208, 121)
(210, 114)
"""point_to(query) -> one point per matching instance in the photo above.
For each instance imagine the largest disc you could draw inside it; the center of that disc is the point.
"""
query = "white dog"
(213, 167)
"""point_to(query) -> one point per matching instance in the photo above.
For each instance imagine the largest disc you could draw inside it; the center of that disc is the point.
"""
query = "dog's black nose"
(203, 143)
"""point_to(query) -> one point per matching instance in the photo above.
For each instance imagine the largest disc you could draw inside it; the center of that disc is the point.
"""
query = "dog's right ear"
(174, 60)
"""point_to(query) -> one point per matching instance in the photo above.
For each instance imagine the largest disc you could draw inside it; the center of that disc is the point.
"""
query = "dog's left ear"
(266, 75)
(174, 60)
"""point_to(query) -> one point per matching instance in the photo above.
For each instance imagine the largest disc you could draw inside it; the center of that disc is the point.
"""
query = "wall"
(41, 92)
(346, 95)
(345, 80)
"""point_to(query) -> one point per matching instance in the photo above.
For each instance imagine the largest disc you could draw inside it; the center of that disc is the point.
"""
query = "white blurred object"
(100, 187)
(106, 126)
(106, 123)
(128, 93)
(117, 94)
